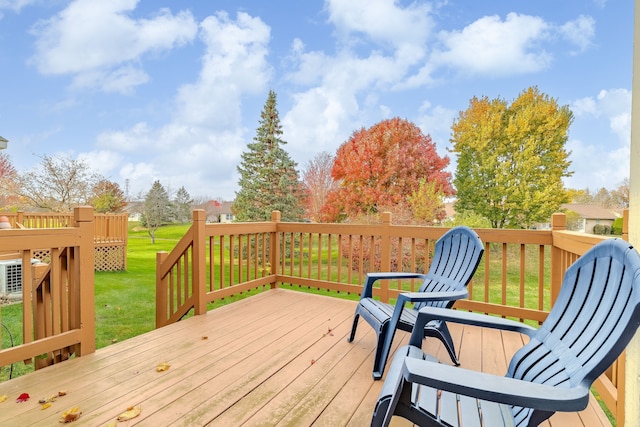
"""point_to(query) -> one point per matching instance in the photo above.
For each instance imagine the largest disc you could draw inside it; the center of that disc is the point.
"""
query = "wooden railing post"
(558, 223)
(83, 219)
(625, 224)
(199, 267)
(385, 255)
(274, 249)
(161, 292)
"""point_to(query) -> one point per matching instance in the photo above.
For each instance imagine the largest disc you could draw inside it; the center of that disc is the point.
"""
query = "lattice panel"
(44, 255)
(109, 258)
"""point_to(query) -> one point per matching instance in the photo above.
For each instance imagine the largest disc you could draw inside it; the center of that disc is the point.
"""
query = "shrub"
(616, 228)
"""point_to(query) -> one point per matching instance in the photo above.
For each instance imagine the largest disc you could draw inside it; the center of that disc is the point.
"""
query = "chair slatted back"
(455, 259)
(595, 316)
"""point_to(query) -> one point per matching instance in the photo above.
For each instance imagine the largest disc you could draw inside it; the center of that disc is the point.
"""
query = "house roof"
(587, 211)
(218, 208)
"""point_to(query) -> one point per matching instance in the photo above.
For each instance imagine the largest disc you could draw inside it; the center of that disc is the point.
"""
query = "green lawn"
(125, 300)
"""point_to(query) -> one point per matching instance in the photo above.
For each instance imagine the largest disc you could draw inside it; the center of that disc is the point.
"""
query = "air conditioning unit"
(11, 277)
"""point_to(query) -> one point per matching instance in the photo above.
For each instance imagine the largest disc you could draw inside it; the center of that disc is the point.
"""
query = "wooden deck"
(278, 358)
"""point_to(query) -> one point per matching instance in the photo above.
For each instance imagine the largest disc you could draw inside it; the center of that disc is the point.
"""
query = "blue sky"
(172, 89)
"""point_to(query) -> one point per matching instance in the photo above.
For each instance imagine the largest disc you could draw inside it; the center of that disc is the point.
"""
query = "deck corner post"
(199, 267)
(161, 291)
(558, 223)
(631, 387)
(385, 255)
(274, 249)
(84, 221)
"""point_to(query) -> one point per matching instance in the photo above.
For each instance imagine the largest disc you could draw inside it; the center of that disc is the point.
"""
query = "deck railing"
(110, 234)
(519, 277)
(58, 315)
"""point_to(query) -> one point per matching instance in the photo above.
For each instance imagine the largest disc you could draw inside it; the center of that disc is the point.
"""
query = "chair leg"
(354, 326)
(441, 331)
(382, 350)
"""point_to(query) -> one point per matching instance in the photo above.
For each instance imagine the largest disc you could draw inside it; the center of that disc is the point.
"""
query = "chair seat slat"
(469, 414)
(448, 408)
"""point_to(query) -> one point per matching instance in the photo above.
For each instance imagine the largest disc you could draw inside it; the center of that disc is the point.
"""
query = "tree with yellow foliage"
(512, 158)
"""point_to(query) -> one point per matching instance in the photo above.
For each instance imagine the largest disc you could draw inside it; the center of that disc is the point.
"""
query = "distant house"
(449, 211)
(591, 215)
(134, 210)
(219, 211)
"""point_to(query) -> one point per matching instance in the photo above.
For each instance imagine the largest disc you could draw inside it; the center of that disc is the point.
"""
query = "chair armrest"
(367, 292)
(433, 296)
(427, 314)
(495, 388)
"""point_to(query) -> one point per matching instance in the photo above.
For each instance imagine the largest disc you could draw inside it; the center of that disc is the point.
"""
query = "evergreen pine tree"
(268, 177)
(157, 209)
(182, 204)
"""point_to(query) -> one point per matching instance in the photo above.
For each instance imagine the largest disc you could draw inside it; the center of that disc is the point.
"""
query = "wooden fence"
(110, 234)
(519, 277)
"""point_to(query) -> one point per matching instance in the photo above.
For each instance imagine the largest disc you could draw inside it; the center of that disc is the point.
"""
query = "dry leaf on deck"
(3, 398)
(23, 398)
(49, 400)
(130, 413)
(164, 366)
(45, 405)
(70, 415)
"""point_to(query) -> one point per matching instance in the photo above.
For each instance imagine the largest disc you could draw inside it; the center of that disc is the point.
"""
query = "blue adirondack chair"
(595, 316)
(456, 257)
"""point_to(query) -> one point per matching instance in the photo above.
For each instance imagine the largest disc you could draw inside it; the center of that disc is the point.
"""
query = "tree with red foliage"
(382, 166)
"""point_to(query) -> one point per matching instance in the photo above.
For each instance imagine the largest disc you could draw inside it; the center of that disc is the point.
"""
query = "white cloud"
(104, 162)
(579, 32)
(595, 167)
(601, 164)
(436, 121)
(14, 5)
(584, 106)
(613, 105)
(130, 140)
(495, 47)
(378, 42)
(340, 101)
(202, 143)
(234, 64)
(101, 45)
(383, 21)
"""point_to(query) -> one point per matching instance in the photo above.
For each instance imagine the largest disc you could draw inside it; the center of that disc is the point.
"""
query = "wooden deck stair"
(278, 358)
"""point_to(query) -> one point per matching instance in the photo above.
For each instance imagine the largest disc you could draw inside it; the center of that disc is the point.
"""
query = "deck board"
(280, 358)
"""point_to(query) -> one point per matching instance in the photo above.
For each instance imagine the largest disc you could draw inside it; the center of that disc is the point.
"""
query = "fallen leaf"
(45, 405)
(164, 366)
(23, 398)
(112, 424)
(130, 413)
(313, 361)
(70, 415)
(52, 398)
(205, 337)
(3, 398)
